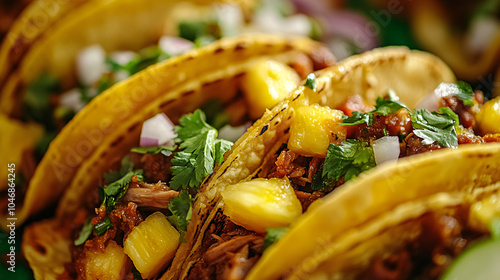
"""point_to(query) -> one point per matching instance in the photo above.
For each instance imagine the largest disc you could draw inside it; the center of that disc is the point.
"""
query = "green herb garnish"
(273, 235)
(348, 160)
(116, 190)
(201, 150)
(182, 211)
(311, 81)
(154, 150)
(84, 233)
(103, 226)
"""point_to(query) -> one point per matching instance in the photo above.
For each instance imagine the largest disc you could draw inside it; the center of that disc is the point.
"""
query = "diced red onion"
(386, 149)
(431, 100)
(175, 45)
(157, 131)
(233, 133)
(91, 64)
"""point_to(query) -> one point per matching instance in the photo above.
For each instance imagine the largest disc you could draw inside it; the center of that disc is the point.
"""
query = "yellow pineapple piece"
(110, 264)
(266, 84)
(313, 128)
(488, 118)
(261, 203)
(484, 211)
(152, 245)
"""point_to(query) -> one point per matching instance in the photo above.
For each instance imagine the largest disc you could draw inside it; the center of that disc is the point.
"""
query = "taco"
(395, 224)
(61, 54)
(236, 72)
(305, 149)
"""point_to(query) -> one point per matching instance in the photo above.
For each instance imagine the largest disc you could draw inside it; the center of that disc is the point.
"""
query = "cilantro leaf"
(116, 190)
(215, 115)
(273, 235)
(126, 167)
(465, 93)
(182, 211)
(201, 150)
(358, 118)
(154, 150)
(439, 127)
(84, 233)
(199, 30)
(37, 103)
(311, 81)
(389, 106)
(347, 160)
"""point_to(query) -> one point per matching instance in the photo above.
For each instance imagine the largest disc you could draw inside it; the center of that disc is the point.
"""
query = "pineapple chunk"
(261, 203)
(313, 128)
(488, 118)
(484, 211)
(152, 244)
(110, 264)
(266, 84)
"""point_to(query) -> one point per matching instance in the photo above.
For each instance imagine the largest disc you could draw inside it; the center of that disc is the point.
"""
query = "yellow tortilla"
(110, 126)
(411, 74)
(410, 187)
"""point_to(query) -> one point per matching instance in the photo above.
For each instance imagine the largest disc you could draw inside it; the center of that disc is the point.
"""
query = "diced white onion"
(386, 149)
(72, 100)
(233, 133)
(230, 19)
(174, 45)
(270, 21)
(123, 57)
(157, 131)
(431, 101)
(91, 64)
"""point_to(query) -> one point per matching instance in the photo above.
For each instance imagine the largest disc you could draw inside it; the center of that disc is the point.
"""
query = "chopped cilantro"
(84, 233)
(347, 160)
(437, 127)
(215, 115)
(116, 190)
(103, 226)
(201, 150)
(37, 103)
(273, 235)
(126, 167)
(182, 210)
(465, 93)
(358, 118)
(145, 58)
(311, 81)
(389, 106)
(196, 30)
(154, 150)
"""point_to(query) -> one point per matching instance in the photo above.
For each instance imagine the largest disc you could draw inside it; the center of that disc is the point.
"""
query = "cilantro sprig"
(181, 208)
(165, 150)
(116, 190)
(436, 127)
(200, 151)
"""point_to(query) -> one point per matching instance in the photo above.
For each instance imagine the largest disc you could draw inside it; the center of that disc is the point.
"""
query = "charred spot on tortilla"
(287, 131)
(211, 82)
(117, 141)
(133, 127)
(219, 50)
(264, 129)
(186, 93)
(104, 153)
(240, 46)
(296, 97)
(166, 103)
(288, 46)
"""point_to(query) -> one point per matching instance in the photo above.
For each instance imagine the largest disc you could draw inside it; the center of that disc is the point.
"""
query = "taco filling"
(328, 147)
(136, 220)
